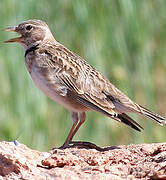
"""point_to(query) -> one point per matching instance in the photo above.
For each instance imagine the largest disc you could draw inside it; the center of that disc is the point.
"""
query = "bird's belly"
(42, 83)
(51, 90)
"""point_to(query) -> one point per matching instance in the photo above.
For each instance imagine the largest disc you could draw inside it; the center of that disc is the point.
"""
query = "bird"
(71, 81)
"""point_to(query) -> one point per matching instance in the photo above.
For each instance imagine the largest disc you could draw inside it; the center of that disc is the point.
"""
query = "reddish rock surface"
(142, 161)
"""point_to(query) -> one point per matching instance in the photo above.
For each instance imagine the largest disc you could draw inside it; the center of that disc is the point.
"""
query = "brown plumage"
(69, 80)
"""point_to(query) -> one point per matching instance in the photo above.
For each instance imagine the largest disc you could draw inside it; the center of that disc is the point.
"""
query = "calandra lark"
(69, 80)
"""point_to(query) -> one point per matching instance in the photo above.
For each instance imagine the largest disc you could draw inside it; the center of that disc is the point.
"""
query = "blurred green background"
(124, 39)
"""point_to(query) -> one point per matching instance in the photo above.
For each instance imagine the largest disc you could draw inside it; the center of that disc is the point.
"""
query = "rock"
(142, 161)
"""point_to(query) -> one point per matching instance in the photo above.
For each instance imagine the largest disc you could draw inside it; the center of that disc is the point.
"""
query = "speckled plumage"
(69, 80)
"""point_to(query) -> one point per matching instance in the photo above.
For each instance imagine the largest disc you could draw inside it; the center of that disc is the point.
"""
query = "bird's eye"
(29, 27)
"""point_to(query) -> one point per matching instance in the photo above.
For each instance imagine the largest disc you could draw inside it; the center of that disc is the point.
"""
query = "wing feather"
(87, 82)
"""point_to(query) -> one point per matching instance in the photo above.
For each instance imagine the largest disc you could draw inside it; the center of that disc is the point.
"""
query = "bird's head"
(32, 32)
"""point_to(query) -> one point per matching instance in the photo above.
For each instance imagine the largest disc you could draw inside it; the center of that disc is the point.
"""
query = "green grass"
(124, 39)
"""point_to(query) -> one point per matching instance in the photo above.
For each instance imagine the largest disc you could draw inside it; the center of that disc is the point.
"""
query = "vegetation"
(124, 39)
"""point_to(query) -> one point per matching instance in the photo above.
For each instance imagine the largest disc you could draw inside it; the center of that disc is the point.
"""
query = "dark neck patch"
(31, 49)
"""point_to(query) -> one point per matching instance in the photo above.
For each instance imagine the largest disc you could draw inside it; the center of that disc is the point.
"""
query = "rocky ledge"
(141, 161)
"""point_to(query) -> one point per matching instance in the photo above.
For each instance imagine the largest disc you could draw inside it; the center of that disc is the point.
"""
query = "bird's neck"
(26, 47)
(31, 49)
(39, 43)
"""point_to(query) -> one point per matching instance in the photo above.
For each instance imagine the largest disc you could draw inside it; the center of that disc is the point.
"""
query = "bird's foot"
(89, 145)
(64, 146)
(84, 144)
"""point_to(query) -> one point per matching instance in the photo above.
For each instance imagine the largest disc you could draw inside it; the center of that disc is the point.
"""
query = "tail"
(124, 118)
(156, 117)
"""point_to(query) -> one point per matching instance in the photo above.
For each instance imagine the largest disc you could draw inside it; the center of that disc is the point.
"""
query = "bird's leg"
(82, 117)
(76, 125)
(70, 135)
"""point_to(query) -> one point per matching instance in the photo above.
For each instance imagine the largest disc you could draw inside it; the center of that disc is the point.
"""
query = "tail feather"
(124, 118)
(156, 117)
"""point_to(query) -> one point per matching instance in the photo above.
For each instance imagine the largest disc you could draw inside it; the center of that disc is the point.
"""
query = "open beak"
(13, 29)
